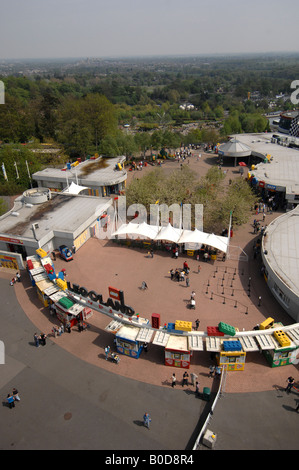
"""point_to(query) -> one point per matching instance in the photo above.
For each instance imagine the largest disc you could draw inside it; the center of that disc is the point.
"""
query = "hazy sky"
(101, 28)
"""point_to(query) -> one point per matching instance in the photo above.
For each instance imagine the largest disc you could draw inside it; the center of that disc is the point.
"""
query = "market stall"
(231, 355)
(177, 352)
(69, 311)
(127, 342)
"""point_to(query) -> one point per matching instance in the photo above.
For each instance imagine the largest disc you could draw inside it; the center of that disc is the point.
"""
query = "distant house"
(187, 106)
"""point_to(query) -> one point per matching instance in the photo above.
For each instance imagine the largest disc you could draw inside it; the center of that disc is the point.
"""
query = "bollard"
(211, 298)
(232, 294)
(260, 301)
(223, 300)
(235, 306)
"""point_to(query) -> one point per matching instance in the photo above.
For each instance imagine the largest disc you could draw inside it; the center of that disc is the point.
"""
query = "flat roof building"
(280, 254)
(278, 169)
(101, 176)
(41, 219)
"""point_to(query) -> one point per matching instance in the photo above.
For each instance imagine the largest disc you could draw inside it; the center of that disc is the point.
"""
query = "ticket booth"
(69, 311)
(285, 352)
(41, 288)
(127, 343)
(231, 355)
(177, 352)
(281, 356)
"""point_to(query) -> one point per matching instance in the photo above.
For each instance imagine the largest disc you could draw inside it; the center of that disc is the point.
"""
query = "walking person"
(212, 371)
(36, 339)
(10, 400)
(68, 327)
(187, 281)
(107, 351)
(146, 420)
(194, 377)
(43, 337)
(185, 378)
(173, 380)
(197, 389)
(15, 394)
(196, 324)
(291, 382)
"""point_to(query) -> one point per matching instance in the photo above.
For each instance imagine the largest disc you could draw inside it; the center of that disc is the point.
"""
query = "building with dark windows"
(289, 123)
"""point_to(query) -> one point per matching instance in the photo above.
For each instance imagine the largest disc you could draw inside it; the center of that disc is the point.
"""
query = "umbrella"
(242, 164)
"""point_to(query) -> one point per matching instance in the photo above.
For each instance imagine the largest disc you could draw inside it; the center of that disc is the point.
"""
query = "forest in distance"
(132, 106)
(126, 106)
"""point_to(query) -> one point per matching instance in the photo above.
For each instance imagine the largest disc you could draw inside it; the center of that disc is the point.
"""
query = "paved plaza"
(72, 398)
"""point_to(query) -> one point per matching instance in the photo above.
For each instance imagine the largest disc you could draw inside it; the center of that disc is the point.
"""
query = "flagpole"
(229, 230)
(4, 172)
(28, 173)
(16, 170)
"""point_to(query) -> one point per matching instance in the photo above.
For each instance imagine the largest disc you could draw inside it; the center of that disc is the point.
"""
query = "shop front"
(127, 343)
(177, 352)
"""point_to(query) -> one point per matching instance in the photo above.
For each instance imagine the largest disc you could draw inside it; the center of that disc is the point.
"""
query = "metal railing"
(219, 393)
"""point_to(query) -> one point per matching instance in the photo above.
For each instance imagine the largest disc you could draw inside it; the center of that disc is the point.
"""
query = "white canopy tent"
(218, 242)
(169, 233)
(174, 235)
(140, 230)
(74, 188)
(193, 236)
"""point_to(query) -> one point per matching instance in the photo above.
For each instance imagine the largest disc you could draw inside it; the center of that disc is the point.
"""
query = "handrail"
(219, 392)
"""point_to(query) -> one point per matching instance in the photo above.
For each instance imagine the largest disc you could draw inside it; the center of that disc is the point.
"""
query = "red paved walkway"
(101, 263)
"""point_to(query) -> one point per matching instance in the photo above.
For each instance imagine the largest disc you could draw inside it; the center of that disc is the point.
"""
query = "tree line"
(181, 186)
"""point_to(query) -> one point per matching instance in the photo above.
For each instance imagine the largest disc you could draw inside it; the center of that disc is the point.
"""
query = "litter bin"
(206, 394)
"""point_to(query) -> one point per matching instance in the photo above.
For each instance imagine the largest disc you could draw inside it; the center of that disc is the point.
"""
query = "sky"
(127, 28)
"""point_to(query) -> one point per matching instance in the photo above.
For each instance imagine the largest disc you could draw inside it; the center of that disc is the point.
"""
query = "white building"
(41, 219)
(101, 176)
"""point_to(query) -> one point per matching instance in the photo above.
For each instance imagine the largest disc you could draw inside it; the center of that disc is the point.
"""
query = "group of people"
(185, 379)
(12, 398)
(40, 339)
(214, 371)
(59, 330)
(16, 278)
(114, 357)
(181, 274)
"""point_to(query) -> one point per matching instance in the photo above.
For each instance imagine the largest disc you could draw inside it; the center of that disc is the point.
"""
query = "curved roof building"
(280, 254)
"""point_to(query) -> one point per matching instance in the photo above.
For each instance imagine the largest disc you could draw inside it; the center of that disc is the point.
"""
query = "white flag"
(4, 172)
(16, 170)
